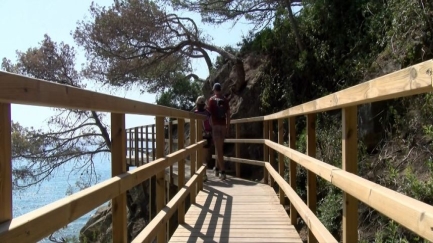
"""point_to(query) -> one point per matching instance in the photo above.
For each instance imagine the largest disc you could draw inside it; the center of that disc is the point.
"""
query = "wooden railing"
(33, 226)
(410, 213)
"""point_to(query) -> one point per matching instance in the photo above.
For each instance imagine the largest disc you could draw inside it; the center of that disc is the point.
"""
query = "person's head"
(200, 102)
(216, 88)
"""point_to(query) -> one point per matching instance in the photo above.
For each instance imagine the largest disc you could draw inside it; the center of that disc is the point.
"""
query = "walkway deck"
(236, 210)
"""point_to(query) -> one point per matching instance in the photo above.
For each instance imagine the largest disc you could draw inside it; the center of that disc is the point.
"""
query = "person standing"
(220, 118)
(207, 129)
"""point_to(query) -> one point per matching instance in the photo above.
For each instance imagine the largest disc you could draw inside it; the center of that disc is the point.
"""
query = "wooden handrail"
(154, 226)
(412, 214)
(54, 216)
(310, 219)
(19, 89)
(413, 80)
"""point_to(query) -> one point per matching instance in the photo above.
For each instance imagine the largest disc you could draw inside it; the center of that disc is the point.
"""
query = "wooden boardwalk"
(236, 210)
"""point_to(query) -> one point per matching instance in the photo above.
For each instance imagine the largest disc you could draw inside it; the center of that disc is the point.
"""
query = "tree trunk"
(294, 26)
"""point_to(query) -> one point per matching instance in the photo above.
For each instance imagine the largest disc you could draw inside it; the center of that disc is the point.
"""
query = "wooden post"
(271, 151)
(118, 166)
(136, 158)
(238, 149)
(199, 154)
(193, 158)
(281, 158)
(311, 177)
(292, 168)
(265, 151)
(180, 169)
(147, 146)
(153, 142)
(5, 163)
(129, 148)
(350, 164)
(160, 177)
(142, 145)
(170, 147)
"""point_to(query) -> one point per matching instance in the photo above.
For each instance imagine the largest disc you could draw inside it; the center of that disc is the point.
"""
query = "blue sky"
(24, 23)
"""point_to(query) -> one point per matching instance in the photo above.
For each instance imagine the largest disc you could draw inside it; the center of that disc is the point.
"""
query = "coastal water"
(56, 188)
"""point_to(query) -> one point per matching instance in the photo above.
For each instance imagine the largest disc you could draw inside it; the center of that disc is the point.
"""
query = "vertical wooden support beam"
(271, 151)
(181, 169)
(350, 164)
(238, 149)
(118, 166)
(292, 168)
(153, 142)
(136, 156)
(199, 154)
(193, 158)
(265, 151)
(5, 163)
(142, 145)
(160, 177)
(281, 158)
(170, 147)
(147, 146)
(129, 148)
(311, 177)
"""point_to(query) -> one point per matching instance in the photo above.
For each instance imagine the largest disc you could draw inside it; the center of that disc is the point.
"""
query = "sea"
(56, 188)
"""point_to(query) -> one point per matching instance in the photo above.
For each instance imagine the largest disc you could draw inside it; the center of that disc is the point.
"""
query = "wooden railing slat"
(5, 163)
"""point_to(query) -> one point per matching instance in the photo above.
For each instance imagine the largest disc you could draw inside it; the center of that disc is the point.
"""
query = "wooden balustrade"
(26, 228)
(412, 214)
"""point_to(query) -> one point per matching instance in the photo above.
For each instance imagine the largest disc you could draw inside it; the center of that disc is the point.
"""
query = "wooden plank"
(271, 151)
(199, 157)
(410, 213)
(244, 161)
(192, 136)
(147, 145)
(153, 142)
(243, 140)
(18, 89)
(160, 177)
(142, 146)
(311, 177)
(315, 226)
(137, 156)
(281, 166)
(238, 149)
(350, 164)
(118, 167)
(416, 79)
(245, 120)
(292, 167)
(265, 150)
(245, 211)
(226, 239)
(5, 163)
(149, 232)
(170, 148)
(181, 170)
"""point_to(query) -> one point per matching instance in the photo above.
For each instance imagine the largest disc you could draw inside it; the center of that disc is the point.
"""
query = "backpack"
(220, 108)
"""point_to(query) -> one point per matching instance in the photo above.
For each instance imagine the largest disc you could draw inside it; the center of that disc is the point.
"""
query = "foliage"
(139, 42)
(71, 135)
(182, 95)
(260, 13)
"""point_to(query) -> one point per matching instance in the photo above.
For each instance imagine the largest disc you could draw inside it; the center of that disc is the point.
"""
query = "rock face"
(98, 227)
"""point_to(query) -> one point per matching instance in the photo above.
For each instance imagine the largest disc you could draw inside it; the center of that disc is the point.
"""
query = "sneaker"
(217, 173)
(223, 176)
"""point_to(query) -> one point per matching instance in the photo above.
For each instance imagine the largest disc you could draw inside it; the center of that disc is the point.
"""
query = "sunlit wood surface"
(236, 210)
